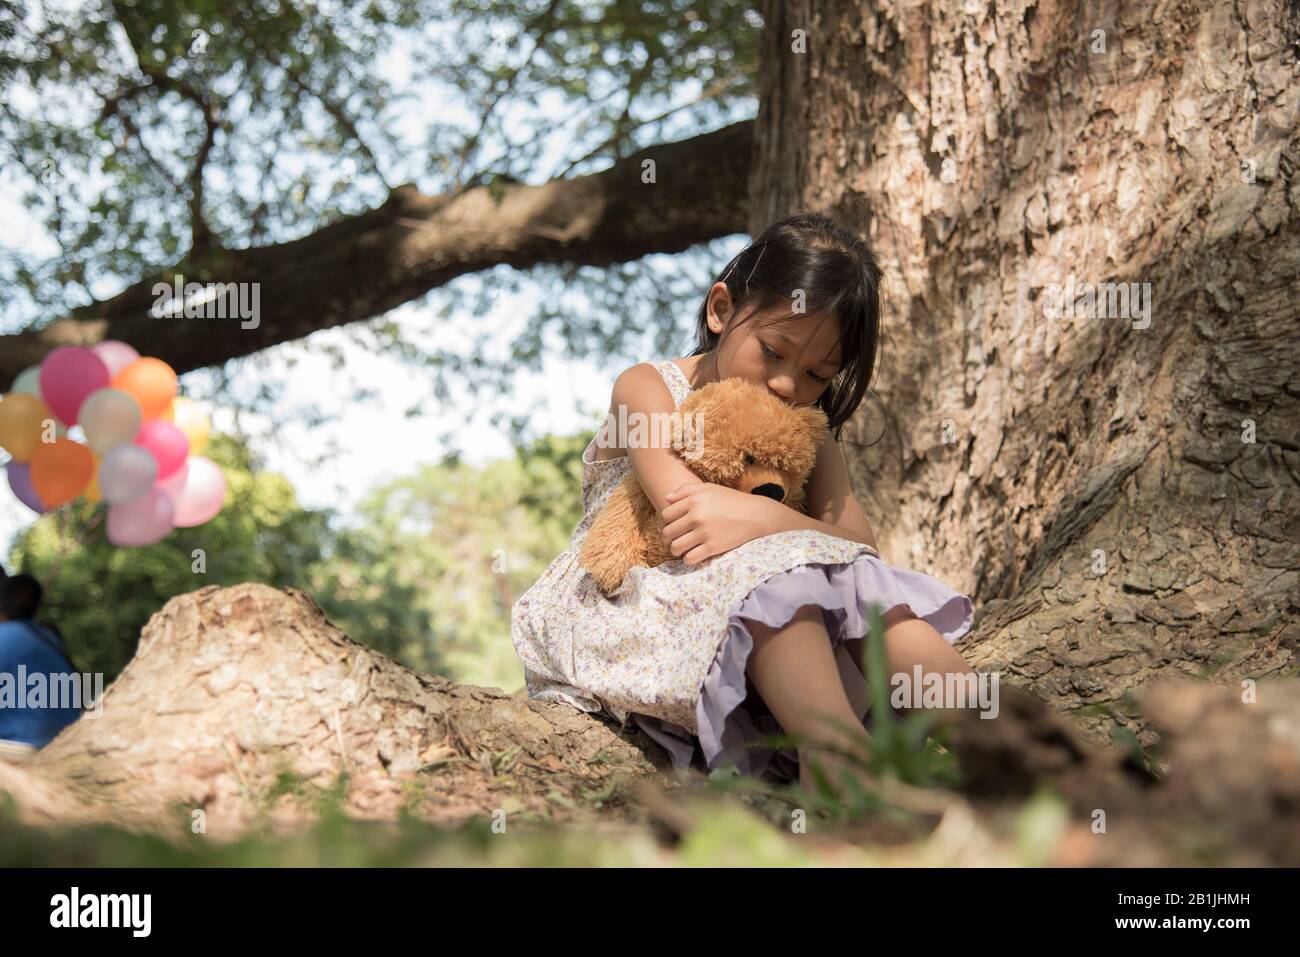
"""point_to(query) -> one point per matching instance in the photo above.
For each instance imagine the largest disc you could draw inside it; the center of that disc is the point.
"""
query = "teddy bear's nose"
(771, 490)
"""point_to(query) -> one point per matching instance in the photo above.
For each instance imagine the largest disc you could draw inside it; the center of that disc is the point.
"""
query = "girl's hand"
(703, 519)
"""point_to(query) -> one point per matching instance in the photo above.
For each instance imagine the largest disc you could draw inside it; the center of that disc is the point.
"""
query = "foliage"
(143, 130)
(145, 136)
(101, 596)
(428, 575)
(463, 543)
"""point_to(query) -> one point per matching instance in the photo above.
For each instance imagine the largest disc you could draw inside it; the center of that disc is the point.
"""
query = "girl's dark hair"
(837, 274)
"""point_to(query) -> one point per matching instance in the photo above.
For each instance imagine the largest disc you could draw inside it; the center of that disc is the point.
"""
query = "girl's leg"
(798, 675)
(854, 682)
(911, 641)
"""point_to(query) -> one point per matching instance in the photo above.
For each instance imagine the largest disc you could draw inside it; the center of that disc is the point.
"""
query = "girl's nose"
(782, 388)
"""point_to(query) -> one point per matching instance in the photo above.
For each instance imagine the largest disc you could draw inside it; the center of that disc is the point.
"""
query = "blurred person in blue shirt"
(27, 649)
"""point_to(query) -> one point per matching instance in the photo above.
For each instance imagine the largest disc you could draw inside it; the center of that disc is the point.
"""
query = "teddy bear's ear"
(804, 429)
(812, 424)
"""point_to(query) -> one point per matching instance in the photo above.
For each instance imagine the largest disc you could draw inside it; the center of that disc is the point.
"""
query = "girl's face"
(795, 359)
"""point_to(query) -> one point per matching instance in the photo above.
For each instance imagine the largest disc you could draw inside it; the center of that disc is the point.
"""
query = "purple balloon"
(20, 481)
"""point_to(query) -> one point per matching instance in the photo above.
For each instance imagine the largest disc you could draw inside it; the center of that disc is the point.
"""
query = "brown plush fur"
(749, 438)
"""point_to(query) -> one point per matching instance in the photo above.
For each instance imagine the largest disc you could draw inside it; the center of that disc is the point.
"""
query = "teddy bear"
(731, 432)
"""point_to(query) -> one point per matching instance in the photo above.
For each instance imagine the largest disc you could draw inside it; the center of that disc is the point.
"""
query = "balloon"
(22, 417)
(127, 474)
(151, 382)
(146, 520)
(28, 381)
(190, 418)
(203, 495)
(174, 483)
(115, 354)
(20, 481)
(110, 418)
(167, 443)
(61, 470)
(92, 492)
(68, 375)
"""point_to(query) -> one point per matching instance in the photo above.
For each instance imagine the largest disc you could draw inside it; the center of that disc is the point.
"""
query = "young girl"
(757, 627)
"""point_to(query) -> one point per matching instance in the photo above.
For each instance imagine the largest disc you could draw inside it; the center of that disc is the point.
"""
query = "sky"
(378, 442)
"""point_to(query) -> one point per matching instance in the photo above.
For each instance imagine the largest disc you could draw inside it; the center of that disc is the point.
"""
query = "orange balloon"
(61, 471)
(149, 381)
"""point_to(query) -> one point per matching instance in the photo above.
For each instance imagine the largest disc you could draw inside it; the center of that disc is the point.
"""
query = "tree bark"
(1121, 501)
(364, 265)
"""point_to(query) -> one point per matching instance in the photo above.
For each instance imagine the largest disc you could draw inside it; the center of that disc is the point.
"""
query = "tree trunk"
(1119, 497)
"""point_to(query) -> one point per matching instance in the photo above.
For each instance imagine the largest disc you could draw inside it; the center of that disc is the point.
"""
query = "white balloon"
(109, 417)
(203, 495)
(127, 473)
(29, 381)
(115, 354)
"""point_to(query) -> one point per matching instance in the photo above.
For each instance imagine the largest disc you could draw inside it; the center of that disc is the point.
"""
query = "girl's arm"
(831, 506)
(658, 469)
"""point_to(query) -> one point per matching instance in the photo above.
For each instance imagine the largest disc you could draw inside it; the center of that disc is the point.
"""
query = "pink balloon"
(117, 355)
(203, 495)
(68, 375)
(175, 482)
(20, 482)
(168, 444)
(144, 521)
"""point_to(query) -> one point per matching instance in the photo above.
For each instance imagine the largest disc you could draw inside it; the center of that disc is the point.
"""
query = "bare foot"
(838, 768)
(844, 773)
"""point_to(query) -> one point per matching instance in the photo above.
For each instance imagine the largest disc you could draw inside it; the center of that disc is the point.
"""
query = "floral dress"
(668, 649)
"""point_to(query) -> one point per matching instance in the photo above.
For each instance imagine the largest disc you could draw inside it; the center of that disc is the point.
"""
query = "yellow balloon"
(92, 492)
(189, 417)
(22, 418)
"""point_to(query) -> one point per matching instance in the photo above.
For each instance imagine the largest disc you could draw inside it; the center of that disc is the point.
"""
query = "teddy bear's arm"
(616, 540)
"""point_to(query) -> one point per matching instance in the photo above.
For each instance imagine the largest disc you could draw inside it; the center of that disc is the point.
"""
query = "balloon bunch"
(141, 449)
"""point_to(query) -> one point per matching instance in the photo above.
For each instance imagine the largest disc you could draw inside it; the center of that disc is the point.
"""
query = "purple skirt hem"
(730, 727)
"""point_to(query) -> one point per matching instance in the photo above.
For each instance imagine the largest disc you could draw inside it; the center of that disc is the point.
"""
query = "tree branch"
(361, 266)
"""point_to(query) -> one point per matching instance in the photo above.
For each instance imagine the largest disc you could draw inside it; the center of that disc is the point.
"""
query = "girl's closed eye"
(769, 354)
